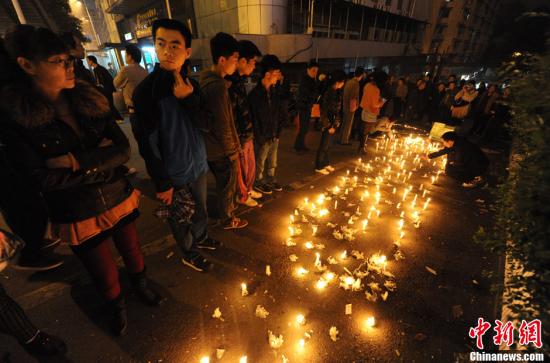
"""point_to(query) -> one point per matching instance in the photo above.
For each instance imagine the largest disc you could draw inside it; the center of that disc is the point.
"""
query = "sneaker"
(236, 223)
(37, 264)
(322, 171)
(275, 186)
(50, 243)
(330, 168)
(209, 244)
(249, 202)
(255, 194)
(196, 262)
(263, 188)
(45, 345)
(131, 171)
(477, 181)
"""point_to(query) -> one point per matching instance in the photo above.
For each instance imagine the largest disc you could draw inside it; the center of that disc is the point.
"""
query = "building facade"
(458, 34)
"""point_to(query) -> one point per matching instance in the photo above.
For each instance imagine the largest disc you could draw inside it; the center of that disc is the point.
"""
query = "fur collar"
(31, 110)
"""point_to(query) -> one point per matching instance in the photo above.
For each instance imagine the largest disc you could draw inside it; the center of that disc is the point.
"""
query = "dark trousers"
(466, 174)
(322, 159)
(188, 235)
(225, 172)
(304, 116)
(100, 263)
(13, 320)
(26, 214)
(365, 129)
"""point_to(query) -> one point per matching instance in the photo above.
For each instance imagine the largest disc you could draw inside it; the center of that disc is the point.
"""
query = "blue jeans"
(188, 235)
(266, 160)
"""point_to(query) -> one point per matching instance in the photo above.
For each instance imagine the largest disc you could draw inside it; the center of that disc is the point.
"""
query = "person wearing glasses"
(64, 139)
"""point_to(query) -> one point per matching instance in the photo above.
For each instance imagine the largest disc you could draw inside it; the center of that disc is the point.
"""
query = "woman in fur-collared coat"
(60, 134)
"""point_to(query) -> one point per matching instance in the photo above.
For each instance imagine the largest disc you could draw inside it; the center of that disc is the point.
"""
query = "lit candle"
(291, 218)
(300, 271)
(308, 245)
(335, 204)
(365, 223)
(401, 235)
(398, 205)
(291, 230)
(394, 190)
(433, 179)
(300, 319)
(426, 203)
(205, 360)
(314, 230)
(321, 284)
(424, 193)
(400, 223)
(370, 322)
(243, 359)
(244, 290)
(323, 212)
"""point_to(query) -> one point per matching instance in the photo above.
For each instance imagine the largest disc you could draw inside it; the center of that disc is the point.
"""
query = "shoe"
(329, 168)
(322, 171)
(249, 202)
(119, 316)
(37, 264)
(143, 291)
(275, 186)
(236, 223)
(255, 194)
(45, 345)
(209, 244)
(477, 181)
(131, 171)
(196, 262)
(263, 188)
(51, 243)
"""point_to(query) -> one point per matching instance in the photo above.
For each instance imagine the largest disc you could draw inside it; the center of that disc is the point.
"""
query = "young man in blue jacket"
(167, 105)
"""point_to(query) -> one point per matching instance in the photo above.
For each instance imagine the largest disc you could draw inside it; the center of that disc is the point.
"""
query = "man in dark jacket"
(268, 118)
(466, 162)
(222, 141)
(77, 52)
(243, 122)
(166, 129)
(417, 104)
(308, 94)
(104, 81)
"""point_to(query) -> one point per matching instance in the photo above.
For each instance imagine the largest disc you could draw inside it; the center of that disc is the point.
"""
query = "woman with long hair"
(64, 139)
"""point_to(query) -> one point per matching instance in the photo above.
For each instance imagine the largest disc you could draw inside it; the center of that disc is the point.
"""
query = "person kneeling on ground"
(466, 162)
(330, 120)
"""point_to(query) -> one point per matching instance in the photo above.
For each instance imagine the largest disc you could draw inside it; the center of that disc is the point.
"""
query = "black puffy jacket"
(33, 134)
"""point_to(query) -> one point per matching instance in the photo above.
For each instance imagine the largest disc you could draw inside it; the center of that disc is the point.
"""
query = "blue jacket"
(166, 131)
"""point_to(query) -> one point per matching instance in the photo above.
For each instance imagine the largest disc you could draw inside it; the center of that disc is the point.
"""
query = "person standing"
(268, 117)
(331, 106)
(21, 202)
(63, 138)
(308, 95)
(77, 52)
(104, 81)
(400, 98)
(167, 131)
(111, 69)
(222, 141)
(417, 104)
(371, 103)
(130, 76)
(243, 122)
(350, 104)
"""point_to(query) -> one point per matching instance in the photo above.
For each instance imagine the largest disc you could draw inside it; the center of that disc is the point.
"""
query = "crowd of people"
(63, 154)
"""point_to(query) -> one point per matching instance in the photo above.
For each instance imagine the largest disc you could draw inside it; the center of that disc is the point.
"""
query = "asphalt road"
(443, 284)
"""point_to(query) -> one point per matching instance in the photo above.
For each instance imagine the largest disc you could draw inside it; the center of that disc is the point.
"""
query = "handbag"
(316, 110)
